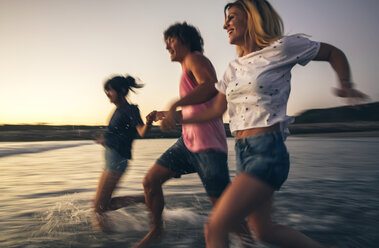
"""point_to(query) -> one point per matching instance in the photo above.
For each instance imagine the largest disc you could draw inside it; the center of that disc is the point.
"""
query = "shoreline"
(61, 133)
(360, 134)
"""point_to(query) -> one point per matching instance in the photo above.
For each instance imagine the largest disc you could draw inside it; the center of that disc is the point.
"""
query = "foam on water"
(69, 217)
(124, 221)
(185, 215)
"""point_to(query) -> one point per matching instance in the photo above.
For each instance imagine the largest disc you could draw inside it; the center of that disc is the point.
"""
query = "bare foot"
(155, 233)
(101, 223)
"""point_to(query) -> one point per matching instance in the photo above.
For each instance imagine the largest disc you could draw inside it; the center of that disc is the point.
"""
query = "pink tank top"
(204, 136)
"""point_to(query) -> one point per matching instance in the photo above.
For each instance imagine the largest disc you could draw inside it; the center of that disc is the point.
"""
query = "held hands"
(154, 116)
(160, 115)
(168, 118)
(150, 118)
(169, 122)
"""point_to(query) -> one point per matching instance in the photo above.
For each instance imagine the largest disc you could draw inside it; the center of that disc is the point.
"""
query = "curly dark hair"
(187, 34)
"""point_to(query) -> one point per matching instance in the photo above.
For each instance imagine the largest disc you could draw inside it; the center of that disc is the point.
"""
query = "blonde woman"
(255, 89)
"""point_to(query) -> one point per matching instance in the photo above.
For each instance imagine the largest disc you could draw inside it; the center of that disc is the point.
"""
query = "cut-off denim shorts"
(263, 156)
(211, 166)
(114, 162)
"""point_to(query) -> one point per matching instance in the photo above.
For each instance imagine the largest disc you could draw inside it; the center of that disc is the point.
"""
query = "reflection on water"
(47, 188)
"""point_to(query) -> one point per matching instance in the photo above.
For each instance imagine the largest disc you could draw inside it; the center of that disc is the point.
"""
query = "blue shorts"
(264, 156)
(114, 162)
(211, 165)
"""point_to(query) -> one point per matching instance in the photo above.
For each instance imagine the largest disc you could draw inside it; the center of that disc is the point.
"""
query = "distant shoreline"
(345, 121)
(24, 133)
(339, 134)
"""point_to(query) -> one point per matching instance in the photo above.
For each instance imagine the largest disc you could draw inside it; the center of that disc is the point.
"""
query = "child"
(122, 130)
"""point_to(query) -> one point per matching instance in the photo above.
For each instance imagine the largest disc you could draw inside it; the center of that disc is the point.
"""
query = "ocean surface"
(46, 190)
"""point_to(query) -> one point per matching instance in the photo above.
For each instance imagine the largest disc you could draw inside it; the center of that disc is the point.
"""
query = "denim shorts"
(211, 166)
(264, 156)
(114, 162)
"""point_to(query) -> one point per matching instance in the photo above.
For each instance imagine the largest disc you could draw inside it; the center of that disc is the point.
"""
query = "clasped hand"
(168, 118)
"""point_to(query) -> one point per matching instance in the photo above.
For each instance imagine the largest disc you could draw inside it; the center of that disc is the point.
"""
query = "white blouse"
(257, 85)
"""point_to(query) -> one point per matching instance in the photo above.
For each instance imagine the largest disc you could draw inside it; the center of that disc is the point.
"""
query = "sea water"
(47, 188)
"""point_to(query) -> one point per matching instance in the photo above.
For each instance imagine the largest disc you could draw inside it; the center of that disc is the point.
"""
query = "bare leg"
(107, 183)
(154, 200)
(249, 197)
(270, 232)
(232, 208)
(242, 230)
(100, 185)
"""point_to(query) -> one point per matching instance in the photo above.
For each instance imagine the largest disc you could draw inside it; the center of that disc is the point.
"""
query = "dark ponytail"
(122, 84)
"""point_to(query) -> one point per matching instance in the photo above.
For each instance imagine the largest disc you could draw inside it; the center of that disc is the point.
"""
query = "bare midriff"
(258, 130)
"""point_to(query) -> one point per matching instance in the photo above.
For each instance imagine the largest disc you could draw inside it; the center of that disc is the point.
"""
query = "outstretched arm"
(153, 117)
(202, 93)
(215, 111)
(340, 64)
(150, 118)
(143, 129)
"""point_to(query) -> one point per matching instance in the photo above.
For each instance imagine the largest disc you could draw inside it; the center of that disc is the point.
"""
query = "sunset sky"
(56, 54)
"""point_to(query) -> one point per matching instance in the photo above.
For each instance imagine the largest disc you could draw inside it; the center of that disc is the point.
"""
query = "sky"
(55, 55)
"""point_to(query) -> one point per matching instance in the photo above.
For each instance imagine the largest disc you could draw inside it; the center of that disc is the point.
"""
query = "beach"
(47, 189)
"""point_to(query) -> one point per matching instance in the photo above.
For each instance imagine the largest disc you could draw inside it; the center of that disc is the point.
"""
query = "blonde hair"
(264, 25)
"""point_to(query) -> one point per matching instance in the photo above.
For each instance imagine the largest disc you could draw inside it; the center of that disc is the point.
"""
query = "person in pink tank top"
(204, 136)
(202, 147)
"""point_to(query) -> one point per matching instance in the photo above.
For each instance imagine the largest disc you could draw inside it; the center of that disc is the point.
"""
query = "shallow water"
(332, 195)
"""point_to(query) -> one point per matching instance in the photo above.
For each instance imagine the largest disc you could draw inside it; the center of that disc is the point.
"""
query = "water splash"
(66, 216)
(184, 215)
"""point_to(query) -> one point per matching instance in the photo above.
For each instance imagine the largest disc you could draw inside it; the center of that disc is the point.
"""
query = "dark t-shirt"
(122, 129)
